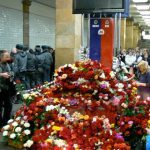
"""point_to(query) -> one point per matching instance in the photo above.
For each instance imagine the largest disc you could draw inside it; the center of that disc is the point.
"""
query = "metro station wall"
(42, 24)
(11, 24)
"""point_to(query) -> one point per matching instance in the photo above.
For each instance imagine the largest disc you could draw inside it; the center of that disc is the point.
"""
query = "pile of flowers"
(86, 108)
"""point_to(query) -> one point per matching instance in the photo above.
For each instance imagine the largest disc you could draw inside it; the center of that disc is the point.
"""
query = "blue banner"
(126, 9)
(95, 38)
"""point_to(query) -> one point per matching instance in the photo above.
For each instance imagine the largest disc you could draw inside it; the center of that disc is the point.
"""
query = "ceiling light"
(142, 7)
(140, 1)
(147, 22)
(146, 17)
(145, 12)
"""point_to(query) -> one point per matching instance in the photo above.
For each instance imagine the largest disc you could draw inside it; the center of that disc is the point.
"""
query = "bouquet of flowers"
(85, 108)
(17, 131)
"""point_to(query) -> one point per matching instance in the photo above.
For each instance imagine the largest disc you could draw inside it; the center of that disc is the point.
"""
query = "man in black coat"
(6, 80)
(48, 60)
(39, 65)
(52, 52)
(31, 68)
(20, 63)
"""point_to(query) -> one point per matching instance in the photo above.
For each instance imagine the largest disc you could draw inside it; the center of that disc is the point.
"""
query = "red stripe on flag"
(107, 42)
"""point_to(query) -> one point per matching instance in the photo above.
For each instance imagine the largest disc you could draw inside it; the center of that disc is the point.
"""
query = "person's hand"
(137, 84)
(5, 75)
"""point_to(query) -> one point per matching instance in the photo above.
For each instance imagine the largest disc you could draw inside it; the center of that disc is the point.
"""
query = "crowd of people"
(132, 57)
(137, 62)
(33, 67)
(29, 67)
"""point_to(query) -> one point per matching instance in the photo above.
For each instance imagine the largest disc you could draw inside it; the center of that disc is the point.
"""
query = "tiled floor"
(3, 144)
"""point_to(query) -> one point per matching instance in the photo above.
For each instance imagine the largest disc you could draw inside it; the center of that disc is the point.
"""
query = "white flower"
(10, 121)
(110, 132)
(18, 118)
(18, 129)
(15, 124)
(120, 85)
(94, 119)
(102, 76)
(75, 146)
(129, 85)
(12, 136)
(125, 78)
(6, 127)
(124, 105)
(22, 122)
(48, 126)
(63, 111)
(66, 65)
(148, 131)
(5, 133)
(112, 74)
(27, 132)
(138, 97)
(148, 98)
(81, 80)
(49, 108)
(95, 91)
(28, 144)
(120, 90)
(70, 65)
(106, 97)
(89, 102)
(64, 76)
(25, 96)
(60, 143)
(27, 125)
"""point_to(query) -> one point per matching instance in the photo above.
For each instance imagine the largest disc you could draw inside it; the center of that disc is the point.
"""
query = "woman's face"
(142, 68)
(123, 52)
(5, 57)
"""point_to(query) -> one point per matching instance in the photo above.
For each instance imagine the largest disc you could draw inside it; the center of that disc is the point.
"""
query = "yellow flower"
(86, 117)
(56, 100)
(148, 122)
(134, 89)
(49, 141)
(56, 128)
(112, 125)
(81, 117)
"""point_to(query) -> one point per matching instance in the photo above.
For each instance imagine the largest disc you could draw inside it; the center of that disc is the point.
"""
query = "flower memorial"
(86, 108)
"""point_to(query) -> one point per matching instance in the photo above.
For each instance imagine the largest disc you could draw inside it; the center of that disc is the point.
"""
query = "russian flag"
(102, 40)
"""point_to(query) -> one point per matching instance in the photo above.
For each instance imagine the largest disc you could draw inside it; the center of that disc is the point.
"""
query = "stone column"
(123, 33)
(129, 33)
(68, 33)
(136, 35)
(26, 6)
